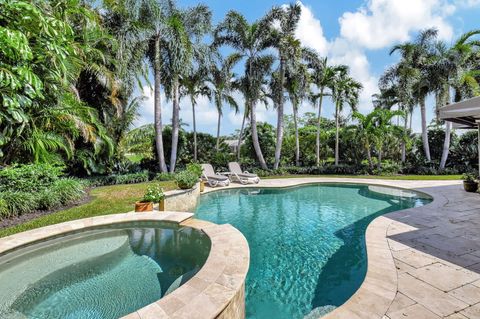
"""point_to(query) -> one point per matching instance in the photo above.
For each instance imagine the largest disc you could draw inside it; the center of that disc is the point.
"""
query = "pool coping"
(206, 295)
(379, 287)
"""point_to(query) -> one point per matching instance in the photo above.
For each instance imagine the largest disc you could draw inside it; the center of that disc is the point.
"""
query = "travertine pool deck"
(422, 262)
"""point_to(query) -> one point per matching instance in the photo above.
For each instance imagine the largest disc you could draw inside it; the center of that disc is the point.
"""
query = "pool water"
(307, 243)
(101, 273)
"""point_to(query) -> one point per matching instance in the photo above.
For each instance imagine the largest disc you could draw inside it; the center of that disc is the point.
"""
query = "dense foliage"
(33, 187)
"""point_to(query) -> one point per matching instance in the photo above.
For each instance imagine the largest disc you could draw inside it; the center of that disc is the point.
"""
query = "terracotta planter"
(470, 186)
(202, 186)
(143, 207)
(161, 205)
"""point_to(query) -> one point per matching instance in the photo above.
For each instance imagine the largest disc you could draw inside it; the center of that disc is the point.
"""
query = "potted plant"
(154, 194)
(470, 183)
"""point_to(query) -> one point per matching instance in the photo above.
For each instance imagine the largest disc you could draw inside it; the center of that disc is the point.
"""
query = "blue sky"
(355, 32)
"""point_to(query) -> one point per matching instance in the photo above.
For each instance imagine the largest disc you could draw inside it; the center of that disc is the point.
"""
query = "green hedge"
(27, 188)
(131, 178)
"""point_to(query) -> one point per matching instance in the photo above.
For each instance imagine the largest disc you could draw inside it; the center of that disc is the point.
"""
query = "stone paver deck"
(422, 262)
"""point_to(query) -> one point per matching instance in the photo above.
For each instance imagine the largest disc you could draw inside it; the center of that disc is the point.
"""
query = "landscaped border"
(379, 288)
(216, 291)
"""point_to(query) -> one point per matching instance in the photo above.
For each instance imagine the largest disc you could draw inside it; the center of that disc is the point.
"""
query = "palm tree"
(152, 19)
(323, 78)
(250, 41)
(345, 91)
(221, 79)
(285, 20)
(195, 86)
(417, 57)
(182, 30)
(455, 68)
(298, 88)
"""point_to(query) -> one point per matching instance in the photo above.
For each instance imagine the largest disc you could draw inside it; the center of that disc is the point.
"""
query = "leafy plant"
(29, 178)
(163, 177)
(186, 179)
(195, 169)
(469, 177)
(154, 194)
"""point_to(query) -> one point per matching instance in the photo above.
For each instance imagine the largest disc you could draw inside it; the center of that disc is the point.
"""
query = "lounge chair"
(237, 175)
(213, 179)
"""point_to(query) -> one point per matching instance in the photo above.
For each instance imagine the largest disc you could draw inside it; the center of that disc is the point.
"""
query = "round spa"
(99, 272)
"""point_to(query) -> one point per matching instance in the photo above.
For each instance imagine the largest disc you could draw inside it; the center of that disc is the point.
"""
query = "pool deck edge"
(423, 262)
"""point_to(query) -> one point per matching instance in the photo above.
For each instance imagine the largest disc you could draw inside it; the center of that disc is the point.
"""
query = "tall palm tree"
(455, 69)
(180, 38)
(152, 19)
(417, 56)
(285, 20)
(250, 41)
(298, 88)
(195, 86)
(323, 78)
(345, 91)
(221, 78)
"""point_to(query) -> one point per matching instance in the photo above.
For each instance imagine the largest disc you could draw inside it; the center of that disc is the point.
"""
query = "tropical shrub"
(163, 177)
(28, 178)
(131, 178)
(195, 169)
(26, 188)
(18, 203)
(186, 179)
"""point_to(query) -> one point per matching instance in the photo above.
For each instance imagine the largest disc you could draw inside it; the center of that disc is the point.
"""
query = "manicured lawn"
(106, 200)
(395, 177)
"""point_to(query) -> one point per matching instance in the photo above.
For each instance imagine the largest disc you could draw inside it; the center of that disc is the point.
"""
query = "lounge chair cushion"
(209, 173)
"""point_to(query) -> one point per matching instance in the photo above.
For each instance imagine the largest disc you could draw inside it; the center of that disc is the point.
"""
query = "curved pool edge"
(216, 291)
(379, 287)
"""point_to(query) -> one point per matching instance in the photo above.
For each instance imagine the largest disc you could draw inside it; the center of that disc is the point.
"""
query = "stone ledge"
(217, 290)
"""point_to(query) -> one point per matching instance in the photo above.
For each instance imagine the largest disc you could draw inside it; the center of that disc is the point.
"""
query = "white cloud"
(467, 3)
(310, 31)
(381, 23)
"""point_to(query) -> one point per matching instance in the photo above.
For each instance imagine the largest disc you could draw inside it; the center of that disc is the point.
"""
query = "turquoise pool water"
(100, 273)
(307, 243)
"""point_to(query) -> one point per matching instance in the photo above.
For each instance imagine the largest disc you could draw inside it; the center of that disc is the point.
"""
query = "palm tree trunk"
(195, 146)
(446, 145)
(278, 146)
(297, 140)
(256, 143)
(404, 146)
(218, 131)
(379, 164)
(336, 134)
(175, 124)
(240, 134)
(280, 129)
(448, 130)
(319, 118)
(369, 157)
(158, 109)
(426, 146)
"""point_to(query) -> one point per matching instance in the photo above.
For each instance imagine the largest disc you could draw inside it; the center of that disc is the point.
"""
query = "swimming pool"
(102, 272)
(307, 243)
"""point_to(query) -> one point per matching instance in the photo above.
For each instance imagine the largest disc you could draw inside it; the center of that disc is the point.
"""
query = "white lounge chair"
(237, 175)
(213, 179)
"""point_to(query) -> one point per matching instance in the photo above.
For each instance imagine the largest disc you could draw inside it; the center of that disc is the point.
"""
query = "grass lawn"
(106, 200)
(393, 177)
